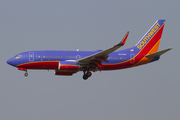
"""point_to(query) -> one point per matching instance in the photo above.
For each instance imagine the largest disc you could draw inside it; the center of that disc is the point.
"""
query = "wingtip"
(168, 49)
(123, 41)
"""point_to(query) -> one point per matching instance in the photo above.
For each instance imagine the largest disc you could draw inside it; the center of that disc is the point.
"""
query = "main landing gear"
(87, 74)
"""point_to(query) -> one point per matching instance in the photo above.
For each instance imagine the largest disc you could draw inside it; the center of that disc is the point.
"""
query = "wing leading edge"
(101, 56)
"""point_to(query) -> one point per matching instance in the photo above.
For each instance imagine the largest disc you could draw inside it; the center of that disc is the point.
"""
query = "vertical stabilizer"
(149, 43)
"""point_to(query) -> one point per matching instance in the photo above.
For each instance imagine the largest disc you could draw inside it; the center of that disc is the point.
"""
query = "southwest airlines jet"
(70, 62)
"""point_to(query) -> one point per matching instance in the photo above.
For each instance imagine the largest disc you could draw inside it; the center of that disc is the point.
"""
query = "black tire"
(85, 77)
(25, 74)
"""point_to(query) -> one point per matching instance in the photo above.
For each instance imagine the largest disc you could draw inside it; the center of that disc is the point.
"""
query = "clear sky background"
(147, 92)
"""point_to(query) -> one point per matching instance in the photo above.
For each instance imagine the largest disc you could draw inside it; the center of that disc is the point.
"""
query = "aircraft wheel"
(25, 74)
(85, 77)
(89, 74)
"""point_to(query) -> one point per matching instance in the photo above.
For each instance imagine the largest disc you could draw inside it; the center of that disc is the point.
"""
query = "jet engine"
(67, 68)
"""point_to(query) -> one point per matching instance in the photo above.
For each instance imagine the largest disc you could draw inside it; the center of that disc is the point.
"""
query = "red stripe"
(41, 65)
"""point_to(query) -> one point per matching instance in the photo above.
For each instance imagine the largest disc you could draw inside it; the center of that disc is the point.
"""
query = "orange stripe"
(153, 50)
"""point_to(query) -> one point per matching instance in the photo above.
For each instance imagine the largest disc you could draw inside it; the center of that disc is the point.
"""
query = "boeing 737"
(70, 62)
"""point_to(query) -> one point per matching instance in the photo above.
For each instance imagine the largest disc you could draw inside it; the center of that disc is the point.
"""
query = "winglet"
(123, 41)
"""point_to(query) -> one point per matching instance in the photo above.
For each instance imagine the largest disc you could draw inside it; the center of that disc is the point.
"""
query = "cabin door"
(132, 57)
(31, 56)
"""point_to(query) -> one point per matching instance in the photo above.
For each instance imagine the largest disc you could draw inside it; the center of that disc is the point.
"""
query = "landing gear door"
(31, 56)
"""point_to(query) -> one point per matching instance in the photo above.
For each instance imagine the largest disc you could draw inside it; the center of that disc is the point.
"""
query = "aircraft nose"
(11, 62)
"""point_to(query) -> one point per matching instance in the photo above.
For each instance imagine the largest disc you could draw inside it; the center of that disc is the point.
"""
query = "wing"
(99, 57)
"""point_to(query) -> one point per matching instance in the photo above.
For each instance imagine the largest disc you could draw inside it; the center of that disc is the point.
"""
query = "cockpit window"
(18, 56)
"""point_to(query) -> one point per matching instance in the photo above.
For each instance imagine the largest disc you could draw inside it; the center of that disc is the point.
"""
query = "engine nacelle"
(68, 66)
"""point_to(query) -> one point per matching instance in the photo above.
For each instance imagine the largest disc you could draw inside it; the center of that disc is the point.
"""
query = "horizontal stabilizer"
(158, 53)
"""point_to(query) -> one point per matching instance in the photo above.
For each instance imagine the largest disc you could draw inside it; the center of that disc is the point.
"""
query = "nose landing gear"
(24, 69)
(26, 74)
(87, 74)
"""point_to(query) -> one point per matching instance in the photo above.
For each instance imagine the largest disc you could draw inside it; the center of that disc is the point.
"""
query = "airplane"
(68, 63)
